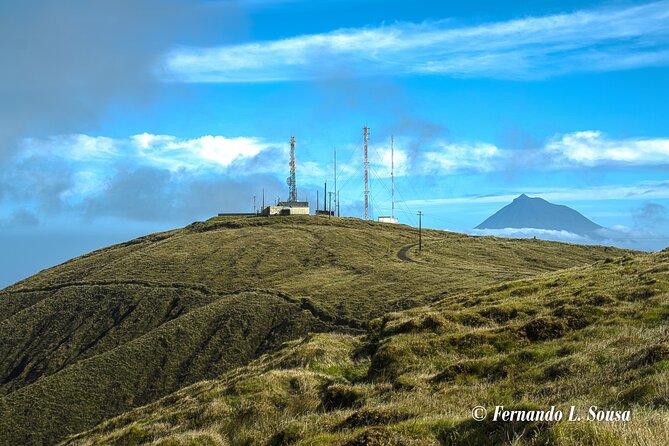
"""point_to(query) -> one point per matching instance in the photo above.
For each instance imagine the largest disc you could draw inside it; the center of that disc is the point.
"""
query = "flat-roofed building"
(287, 208)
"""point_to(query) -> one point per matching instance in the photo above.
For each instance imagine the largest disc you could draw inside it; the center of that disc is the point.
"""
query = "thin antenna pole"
(420, 231)
(330, 211)
(325, 196)
(338, 202)
(392, 175)
(335, 175)
(316, 200)
(254, 203)
(366, 166)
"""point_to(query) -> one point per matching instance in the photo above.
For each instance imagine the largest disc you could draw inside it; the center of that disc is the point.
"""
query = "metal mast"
(335, 176)
(292, 186)
(392, 175)
(420, 231)
(366, 164)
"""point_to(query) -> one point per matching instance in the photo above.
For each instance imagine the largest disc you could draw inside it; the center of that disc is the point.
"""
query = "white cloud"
(310, 170)
(175, 153)
(75, 147)
(534, 47)
(619, 236)
(544, 234)
(480, 157)
(583, 149)
(380, 157)
(166, 151)
(577, 150)
(439, 158)
(94, 160)
(591, 148)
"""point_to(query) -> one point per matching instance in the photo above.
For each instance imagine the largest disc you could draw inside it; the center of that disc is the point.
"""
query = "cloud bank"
(93, 176)
(605, 39)
(143, 177)
(576, 150)
(620, 236)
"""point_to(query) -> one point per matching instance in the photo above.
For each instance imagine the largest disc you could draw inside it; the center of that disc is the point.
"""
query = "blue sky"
(127, 117)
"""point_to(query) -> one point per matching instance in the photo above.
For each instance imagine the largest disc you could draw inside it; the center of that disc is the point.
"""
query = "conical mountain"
(537, 213)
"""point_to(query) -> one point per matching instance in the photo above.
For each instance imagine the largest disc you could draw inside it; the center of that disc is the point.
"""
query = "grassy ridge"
(594, 335)
(125, 325)
(322, 259)
(205, 342)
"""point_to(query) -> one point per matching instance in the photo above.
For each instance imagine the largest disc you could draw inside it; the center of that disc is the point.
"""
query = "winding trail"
(402, 253)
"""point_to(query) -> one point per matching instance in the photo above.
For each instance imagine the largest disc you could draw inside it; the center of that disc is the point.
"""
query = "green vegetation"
(594, 335)
(126, 325)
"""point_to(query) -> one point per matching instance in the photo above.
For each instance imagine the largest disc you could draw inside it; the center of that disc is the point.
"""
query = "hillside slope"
(590, 336)
(125, 325)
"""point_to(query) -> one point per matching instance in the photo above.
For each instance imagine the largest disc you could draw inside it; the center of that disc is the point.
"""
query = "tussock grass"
(597, 342)
(123, 326)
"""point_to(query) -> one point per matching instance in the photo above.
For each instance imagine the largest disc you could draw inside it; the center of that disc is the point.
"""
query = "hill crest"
(126, 325)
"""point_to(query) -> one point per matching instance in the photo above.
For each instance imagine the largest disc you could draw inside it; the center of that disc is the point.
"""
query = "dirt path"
(402, 253)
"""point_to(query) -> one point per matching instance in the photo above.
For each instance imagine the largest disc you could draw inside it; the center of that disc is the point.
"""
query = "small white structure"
(287, 208)
(387, 219)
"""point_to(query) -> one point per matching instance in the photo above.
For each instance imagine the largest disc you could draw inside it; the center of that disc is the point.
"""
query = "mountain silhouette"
(537, 213)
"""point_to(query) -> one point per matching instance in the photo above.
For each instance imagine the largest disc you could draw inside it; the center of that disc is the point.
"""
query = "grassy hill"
(123, 326)
(590, 336)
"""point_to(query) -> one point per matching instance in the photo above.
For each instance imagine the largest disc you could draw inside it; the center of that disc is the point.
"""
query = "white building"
(388, 220)
(287, 208)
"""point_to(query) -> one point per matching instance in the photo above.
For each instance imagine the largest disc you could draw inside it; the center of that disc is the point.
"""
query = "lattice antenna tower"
(366, 165)
(292, 185)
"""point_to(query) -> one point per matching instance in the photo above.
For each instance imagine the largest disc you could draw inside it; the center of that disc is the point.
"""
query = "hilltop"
(588, 336)
(124, 326)
(537, 213)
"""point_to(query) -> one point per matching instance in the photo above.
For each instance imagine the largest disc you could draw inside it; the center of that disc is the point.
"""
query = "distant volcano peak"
(523, 197)
(537, 213)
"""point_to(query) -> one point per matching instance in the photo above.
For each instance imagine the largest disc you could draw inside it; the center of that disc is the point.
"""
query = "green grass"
(123, 326)
(581, 337)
